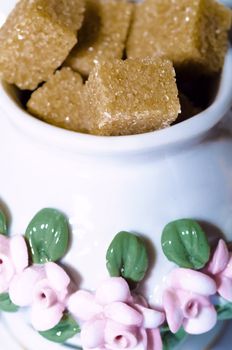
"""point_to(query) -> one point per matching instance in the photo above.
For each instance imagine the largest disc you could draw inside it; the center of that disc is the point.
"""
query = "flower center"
(6, 267)
(192, 309)
(121, 341)
(1, 264)
(45, 297)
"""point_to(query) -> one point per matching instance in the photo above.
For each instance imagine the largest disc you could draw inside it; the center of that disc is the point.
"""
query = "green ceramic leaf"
(48, 236)
(127, 257)
(6, 304)
(3, 224)
(224, 311)
(65, 330)
(170, 340)
(72, 346)
(185, 243)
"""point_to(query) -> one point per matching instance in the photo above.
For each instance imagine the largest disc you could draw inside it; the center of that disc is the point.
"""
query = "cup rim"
(85, 143)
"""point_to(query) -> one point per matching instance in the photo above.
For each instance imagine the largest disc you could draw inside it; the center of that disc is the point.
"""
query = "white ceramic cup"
(107, 184)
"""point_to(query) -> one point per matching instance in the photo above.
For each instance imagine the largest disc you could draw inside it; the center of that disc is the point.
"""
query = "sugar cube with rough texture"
(103, 34)
(60, 101)
(36, 39)
(191, 33)
(132, 96)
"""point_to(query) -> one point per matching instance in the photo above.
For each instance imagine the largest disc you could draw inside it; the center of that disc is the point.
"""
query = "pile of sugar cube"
(109, 67)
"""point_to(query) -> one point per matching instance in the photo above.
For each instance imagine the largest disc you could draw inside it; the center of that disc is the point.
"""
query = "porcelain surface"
(183, 171)
(105, 185)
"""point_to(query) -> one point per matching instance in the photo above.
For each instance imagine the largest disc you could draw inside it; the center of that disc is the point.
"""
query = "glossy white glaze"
(103, 191)
(105, 185)
(103, 195)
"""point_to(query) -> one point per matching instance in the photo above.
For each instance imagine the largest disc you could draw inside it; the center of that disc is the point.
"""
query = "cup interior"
(217, 103)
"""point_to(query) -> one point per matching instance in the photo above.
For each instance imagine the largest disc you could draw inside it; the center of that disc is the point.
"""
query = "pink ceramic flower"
(45, 289)
(13, 259)
(186, 301)
(113, 319)
(220, 268)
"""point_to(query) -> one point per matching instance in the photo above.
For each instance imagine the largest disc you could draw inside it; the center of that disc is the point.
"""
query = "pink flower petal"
(123, 313)
(191, 303)
(43, 294)
(119, 336)
(174, 314)
(220, 259)
(57, 277)
(43, 319)
(205, 321)
(111, 290)
(144, 342)
(4, 245)
(192, 281)
(139, 299)
(22, 286)
(19, 253)
(92, 333)
(6, 272)
(228, 270)
(154, 339)
(151, 318)
(82, 304)
(224, 287)
(97, 348)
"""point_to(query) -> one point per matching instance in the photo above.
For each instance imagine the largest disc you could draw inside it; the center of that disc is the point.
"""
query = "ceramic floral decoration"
(115, 316)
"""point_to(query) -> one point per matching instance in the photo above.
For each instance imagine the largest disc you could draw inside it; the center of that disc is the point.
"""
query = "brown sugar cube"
(60, 101)
(103, 34)
(36, 38)
(131, 96)
(190, 33)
